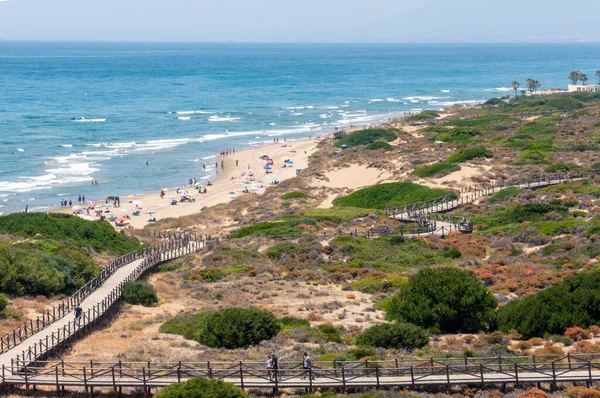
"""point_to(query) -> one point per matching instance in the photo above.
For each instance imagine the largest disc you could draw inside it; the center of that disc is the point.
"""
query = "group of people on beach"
(227, 151)
(66, 203)
(273, 367)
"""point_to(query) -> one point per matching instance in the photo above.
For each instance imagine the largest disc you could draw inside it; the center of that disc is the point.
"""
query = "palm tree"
(523, 92)
(583, 78)
(530, 85)
(538, 84)
(516, 85)
(574, 76)
(598, 76)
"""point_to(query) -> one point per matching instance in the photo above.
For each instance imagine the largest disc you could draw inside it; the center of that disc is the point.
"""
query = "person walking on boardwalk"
(270, 368)
(78, 312)
(274, 365)
(306, 364)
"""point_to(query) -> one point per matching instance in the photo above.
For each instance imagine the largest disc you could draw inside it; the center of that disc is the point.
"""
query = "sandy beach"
(229, 179)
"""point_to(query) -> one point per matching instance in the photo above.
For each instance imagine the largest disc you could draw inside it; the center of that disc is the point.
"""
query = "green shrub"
(289, 250)
(294, 195)
(544, 103)
(374, 146)
(425, 115)
(330, 333)
(339, 215)
(436, 170)
(394, 335)
(3, 302)
(465, 154)
(449, 299)
(542, 125)
(483, 121)
(505, 194)
(384, 254)
(43, 267)
(575, 302)
(381, 196)
(379, 284)
(518, 213)
(457, 135)
(289, 322)
(184, 325)
(202, 388)
(451, 252)
(560, 167)
(274, 228)
(97, 235)
(139, 293)
(367, 136)
(237, 328)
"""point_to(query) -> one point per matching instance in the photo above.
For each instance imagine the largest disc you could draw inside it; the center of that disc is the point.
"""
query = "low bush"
(97, 235)
(289, 322)
(3, 302)
(237, 328)
(505, 194)
(436, 170)
(374, 284)
(465, 154)
(294, 195)
(280, 228)
(377, 145)
(560, 167)
(448, 299)
(340, 215)
(483, 121)
(459, 135)
(425, 115)
(394, 335)
(367, 136)
(381, 196)
(139, 293)
(288, 250)
(575, 302)
(202, 388)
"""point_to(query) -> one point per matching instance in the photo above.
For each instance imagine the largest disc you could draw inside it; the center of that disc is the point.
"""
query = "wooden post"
(113, 379)
(412, 376)
(57, 385)
(590, 373)
(516, 375)
(481, 373)
(242, 375)
(85, 380)
(377, 375)
(343, 377)
(210, 374)
(144, 379)
(553, 376)
(179, 372)
(569, 360)
(448, 374)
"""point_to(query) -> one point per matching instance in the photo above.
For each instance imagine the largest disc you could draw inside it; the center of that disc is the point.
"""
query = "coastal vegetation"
(367, 137)
(394, 335)
(202, 388)
(388, 195)
(139, 293)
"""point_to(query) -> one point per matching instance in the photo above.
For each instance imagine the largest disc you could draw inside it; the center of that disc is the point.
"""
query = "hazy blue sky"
(301, 20)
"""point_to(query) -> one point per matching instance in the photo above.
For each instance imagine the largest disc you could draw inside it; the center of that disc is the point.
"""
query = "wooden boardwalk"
(410, 212)
(41, 339)
(379, 374)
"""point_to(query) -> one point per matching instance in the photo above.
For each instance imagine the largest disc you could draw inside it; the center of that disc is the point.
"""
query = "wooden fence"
(31, 327)
(375, 374)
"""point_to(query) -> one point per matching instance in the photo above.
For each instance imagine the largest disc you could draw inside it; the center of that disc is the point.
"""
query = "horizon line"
(293, 42)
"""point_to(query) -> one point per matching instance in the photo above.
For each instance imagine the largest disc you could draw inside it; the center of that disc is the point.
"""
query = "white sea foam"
(209, 157)
(192, 113)
(376, 100)
(392, 99)
(85, 120)
(445, 91)
(20, 149)
(271, 124)
(222, 119)
(451, 103)
(67, 146)
(184, 118)
(504, 89)
(422, 98)
(211, 137)
(297, 113)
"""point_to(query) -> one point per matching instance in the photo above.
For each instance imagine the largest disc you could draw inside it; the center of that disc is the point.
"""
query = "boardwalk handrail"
(395, 372)
(57, 312)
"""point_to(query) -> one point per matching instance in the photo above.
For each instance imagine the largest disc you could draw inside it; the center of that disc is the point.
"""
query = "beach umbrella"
(76, 208)
(134, 208)
(150, 212)
(126, 221)
(92, 203)
(268, 168)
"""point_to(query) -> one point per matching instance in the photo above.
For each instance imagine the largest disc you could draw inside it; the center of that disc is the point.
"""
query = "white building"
(583, 88)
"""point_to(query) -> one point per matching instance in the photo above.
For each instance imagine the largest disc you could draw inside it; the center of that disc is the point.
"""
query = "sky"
(301, 20)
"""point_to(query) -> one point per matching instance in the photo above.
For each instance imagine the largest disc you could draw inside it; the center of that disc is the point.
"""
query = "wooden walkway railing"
(151, 256)
(374, 374)
(411, 211)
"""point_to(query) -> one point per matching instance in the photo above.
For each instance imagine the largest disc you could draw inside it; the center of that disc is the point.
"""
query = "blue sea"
(71, 113)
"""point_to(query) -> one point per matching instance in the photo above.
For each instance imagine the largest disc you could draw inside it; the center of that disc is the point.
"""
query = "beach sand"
(222, 184)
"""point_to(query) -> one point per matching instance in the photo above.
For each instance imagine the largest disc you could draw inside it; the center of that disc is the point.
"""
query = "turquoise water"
(176, 105)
